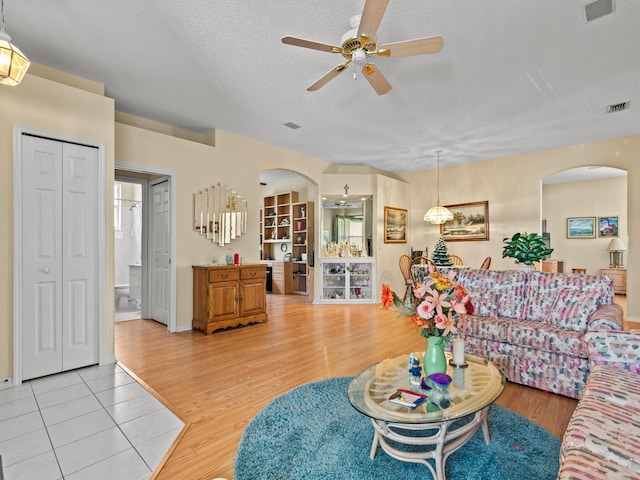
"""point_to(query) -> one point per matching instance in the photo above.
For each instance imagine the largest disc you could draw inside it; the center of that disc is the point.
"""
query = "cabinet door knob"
(45, 270)
(253, 274)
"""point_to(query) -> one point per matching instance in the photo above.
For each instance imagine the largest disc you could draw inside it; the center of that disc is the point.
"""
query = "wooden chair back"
(456, 260)
(405, 269)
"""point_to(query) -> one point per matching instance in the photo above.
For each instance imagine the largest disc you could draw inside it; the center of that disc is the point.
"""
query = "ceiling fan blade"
(301, 42)
(327, 77)
(420, 46)
(376, 79)
(371, 17)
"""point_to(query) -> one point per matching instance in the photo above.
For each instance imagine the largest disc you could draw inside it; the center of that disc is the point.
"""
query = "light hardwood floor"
(217, 383)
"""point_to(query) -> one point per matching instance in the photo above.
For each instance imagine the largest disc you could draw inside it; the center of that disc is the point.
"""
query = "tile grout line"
(114, 421)
(46, 429)
(118, 425)
(112, 375)
(104, 408)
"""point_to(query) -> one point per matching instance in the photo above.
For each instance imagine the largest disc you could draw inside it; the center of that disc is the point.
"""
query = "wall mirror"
(347, 218)
(220, 214)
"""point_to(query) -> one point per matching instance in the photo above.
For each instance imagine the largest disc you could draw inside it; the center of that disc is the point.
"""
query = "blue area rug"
(313, 432)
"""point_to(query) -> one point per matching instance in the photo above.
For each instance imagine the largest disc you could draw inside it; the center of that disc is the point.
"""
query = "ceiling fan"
(361, 47)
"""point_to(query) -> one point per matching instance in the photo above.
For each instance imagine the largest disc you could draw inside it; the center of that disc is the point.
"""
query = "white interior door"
(80, 256)
(59, 256)
(159, 251)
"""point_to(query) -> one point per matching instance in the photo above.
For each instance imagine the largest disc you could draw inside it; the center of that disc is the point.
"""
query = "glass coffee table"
(438, 426)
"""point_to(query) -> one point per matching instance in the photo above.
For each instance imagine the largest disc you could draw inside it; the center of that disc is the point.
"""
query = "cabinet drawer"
(253, 272)
(223, 275)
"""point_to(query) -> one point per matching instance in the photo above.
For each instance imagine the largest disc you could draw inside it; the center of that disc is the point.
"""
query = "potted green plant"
(525, 248)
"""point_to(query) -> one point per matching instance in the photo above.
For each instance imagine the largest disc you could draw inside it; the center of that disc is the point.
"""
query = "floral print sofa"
(532, 325)
(602, 439)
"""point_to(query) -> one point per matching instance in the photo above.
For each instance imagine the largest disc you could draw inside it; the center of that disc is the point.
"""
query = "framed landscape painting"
(395, 225)
(581, 227)
(470, 222)
(608, 226)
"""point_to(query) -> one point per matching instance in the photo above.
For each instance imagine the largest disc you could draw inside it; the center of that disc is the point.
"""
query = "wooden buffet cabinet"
(228, 295)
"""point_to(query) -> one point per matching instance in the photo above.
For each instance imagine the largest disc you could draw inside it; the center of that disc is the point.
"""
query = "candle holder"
(455, 365)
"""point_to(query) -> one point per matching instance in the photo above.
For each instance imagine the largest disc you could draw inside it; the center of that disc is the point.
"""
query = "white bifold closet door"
(60, 256)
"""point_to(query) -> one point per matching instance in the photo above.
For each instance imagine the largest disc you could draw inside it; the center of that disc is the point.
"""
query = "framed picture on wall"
(395, 225)
(581, 227)
(608, 226)
(470, 222)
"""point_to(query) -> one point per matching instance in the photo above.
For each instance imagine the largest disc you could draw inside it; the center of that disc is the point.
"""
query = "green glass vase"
(434, 358)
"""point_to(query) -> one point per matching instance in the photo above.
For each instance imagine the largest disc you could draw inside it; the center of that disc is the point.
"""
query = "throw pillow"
(484, 303)
(571, 308)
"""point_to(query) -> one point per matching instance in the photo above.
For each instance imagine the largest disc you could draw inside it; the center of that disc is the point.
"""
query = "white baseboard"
(184, 328)
(108, 360)
(6, 383)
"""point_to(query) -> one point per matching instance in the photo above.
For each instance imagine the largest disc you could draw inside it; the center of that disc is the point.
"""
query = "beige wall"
(235, 161)
(512, 185)
(389, 193)
(596, 198)
(55, 109)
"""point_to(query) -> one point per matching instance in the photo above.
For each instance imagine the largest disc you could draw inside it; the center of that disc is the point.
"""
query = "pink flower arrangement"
(439, 305)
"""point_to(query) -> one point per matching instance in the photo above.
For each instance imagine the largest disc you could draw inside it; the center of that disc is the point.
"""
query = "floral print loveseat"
(532, 325)
(602, 439)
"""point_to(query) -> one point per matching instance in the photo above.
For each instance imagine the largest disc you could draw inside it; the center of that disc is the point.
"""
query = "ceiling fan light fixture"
(13, 63)
(359, 44)
(359, 57)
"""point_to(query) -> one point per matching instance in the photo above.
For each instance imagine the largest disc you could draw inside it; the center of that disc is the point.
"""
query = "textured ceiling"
(512, 77)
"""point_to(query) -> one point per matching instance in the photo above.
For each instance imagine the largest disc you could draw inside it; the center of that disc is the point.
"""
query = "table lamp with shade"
(616, 251)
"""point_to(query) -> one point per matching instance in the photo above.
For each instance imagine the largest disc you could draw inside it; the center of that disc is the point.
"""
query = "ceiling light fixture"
(13, 63)
(438, 214)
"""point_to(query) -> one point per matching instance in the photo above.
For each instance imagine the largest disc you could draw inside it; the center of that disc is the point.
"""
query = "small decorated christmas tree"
(440, 254)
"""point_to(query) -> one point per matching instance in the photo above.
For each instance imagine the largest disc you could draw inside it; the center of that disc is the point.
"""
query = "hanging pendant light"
(438, 214)
(13, 63)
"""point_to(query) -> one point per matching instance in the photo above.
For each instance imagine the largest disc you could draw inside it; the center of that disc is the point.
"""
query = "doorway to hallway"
(128, 210)
(144, 245)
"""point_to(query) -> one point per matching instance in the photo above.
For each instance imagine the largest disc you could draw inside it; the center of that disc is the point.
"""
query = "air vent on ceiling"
(292, 126)
(599, 8)
(618, 107)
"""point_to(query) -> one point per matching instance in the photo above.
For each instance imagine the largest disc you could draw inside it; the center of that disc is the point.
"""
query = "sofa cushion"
(571, 308)
(509, 287)
(581, 465)
(546, 337)
(615, 349)
(542, 288)
(618, 387)
(484, 303)
(606, 430)
(487, 327)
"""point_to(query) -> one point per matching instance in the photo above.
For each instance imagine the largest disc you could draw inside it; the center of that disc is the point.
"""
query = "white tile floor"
(92, 423)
